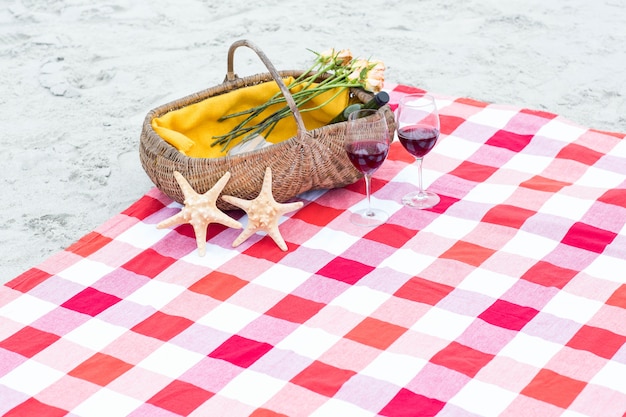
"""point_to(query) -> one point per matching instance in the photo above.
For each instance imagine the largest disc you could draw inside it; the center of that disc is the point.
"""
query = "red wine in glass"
(417, 120)
(366, 144)
(418, 140)
(367, 157)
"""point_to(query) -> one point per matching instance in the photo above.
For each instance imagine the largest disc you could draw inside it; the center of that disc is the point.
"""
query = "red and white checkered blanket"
(506, 299)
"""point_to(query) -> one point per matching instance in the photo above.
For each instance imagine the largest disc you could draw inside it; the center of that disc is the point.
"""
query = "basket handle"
(230, 76)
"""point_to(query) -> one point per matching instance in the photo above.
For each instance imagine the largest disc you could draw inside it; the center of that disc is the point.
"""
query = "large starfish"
(200, 210)
(263, 213)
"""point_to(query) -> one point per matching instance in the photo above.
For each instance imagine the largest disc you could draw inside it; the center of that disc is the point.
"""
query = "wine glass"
(417, 122)
(367, 144)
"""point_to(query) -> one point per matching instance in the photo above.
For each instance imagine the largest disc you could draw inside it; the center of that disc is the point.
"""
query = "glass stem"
(420, 188)
(368, 181)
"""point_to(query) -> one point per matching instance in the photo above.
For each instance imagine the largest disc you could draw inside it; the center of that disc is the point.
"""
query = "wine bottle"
(379, 100)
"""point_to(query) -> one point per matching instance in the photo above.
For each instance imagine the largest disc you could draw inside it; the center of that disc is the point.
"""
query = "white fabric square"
(214, 257)
(612, 375)
(308, 342)
(26, 309)
(282, 278)
(561, 205)
(396, 368)
(85, 272)
(489, 283)
(530, 350)
(572, 307)
(608, 268)
(170, 360)
(95, 334)
(560, 130)
(493, 116)
(360, 299)
(142, 235)
(334, 407)
(106, 403)
(596, 177)
(483, 399)
(488, 193)
(31, 377)
(332, 241)
(407, 261)
(450, 227)
(530, 245)
(258, 388)
(155, 293)
(442, 323)
(228, 318)
(457, 148)
(527, 163)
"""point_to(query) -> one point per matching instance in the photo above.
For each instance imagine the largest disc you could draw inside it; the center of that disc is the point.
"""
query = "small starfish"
(200, 210)
(263, 212)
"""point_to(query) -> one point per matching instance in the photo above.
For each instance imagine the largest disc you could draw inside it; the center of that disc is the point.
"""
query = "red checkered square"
(509, 140)
(32, 407)
(602, 342)
(462, 359)
(317, 214)
(162, 326)
(541, 183)
(295, 309)
(449, 123)
(554, 388)
(549, 275)
(144, 207)
(149, 263)
(507, 215)
(398, 154)
(471, 102)
(264, 412)
(468, 253)
(539, 113)
(508, 315)
(391, 234)
(473, 172)
(266, 248)
(407, 89)
(615, 196)
(28, 280)
(376, 333)
(406, 403)
(180, 397)
(445, 202)
(91, 302)
(241, 351)
(423, 291)
(100, 369)
(218, 285)
(585, 236)
(322, 378)
(28, 341)
(618, 298)
(345, 270)
(580, 154)
(88, 244)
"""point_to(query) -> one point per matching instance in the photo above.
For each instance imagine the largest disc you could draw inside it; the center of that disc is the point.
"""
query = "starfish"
(200, 210)
(263, 212)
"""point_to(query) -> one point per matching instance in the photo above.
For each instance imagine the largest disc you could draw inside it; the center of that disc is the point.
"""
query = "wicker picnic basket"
(310, 160)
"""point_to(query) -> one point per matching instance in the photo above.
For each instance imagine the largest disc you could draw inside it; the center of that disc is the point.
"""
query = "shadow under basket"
(314, 159)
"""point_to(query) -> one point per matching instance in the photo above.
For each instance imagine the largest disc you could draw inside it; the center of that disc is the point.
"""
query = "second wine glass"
(417, 121)
(367, 144)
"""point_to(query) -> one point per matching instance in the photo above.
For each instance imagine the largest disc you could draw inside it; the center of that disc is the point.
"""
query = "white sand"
(77, 78)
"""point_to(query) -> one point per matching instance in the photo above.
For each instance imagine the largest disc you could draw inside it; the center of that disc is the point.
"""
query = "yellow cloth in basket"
(191, 129)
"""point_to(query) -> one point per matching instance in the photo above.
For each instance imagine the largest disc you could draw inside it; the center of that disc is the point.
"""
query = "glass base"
(369, 217)
(421, 200)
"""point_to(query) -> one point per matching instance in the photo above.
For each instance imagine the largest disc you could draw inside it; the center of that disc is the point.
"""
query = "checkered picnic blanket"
(506, 299)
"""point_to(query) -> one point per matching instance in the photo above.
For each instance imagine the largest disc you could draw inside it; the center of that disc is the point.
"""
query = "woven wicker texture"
(313, 159)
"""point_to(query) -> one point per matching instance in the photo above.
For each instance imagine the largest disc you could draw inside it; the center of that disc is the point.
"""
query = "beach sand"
(79, 76)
